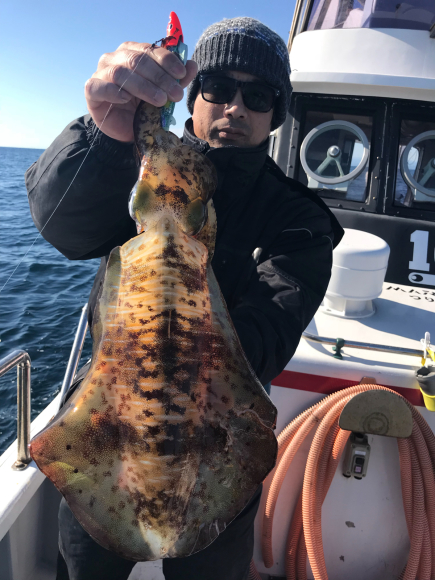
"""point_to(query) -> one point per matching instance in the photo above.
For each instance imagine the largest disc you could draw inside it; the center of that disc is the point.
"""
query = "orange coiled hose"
(417, 463)
(253, 573)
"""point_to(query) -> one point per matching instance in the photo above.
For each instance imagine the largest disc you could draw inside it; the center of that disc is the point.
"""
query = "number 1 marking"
(419, 261)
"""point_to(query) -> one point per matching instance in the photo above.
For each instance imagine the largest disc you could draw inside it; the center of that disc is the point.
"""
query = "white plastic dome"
(358, 271)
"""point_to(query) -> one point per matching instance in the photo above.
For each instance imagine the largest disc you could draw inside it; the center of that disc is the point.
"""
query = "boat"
(361, 134)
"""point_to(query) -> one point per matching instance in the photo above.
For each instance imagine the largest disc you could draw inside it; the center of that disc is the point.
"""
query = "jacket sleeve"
(78, 191)
(283, 294)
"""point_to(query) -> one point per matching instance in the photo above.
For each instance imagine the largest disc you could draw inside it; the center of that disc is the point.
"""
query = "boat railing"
(74, 357)
(21, 360)
(339, 343)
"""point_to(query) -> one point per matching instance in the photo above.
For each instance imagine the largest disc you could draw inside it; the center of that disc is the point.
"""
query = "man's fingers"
(191, 72)
(142, 88)
(155, 87)
(98, 91)
(137, 71)
(169, 62)
(144, 65)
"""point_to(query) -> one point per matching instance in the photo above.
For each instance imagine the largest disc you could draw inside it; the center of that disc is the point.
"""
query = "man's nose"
(236, 108)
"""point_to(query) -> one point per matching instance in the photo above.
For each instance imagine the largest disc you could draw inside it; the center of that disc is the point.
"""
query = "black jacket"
(274, 240)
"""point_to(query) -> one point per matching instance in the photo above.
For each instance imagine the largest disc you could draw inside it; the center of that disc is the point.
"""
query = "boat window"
(415, 175)
(334, 154)
(411, 14)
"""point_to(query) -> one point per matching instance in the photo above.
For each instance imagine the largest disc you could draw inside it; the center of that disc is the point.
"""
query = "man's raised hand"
(145, 72)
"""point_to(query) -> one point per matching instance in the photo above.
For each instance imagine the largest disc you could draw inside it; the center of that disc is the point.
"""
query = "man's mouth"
(231, 133)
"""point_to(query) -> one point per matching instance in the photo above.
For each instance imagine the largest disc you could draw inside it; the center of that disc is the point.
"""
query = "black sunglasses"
(220, 90)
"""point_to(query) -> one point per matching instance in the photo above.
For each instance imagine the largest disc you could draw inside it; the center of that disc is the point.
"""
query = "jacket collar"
(242, 164)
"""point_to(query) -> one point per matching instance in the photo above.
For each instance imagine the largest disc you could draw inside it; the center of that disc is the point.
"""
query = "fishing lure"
(170, 433)
(174, 43)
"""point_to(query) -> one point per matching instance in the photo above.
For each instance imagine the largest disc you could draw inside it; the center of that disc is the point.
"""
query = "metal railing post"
(74, 357)
(21, 360)
(23, 414)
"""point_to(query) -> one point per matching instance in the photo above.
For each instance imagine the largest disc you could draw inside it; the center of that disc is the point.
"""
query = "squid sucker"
(170, 433)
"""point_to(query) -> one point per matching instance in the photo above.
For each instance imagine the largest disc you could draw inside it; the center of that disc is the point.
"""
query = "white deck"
(403, 315)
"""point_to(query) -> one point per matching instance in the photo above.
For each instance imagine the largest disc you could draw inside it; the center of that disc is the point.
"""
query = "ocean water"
(41, 303)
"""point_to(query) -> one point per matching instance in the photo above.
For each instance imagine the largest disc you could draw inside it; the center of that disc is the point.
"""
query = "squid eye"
(131, 201)
(141, 203)
(196, 216)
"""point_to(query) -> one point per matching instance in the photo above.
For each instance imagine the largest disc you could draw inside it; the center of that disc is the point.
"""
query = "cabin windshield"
(335, 152)
(411, 14)
(415, 175)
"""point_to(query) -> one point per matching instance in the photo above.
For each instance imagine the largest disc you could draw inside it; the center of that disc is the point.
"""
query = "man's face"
(231, 123)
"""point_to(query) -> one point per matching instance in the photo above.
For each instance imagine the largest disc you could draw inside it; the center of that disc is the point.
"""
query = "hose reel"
(376, 410)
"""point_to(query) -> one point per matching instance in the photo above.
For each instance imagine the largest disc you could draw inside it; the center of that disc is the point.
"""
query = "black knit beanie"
(247, 45)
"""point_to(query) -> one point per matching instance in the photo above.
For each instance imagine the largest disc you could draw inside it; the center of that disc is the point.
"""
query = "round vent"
(358, 271)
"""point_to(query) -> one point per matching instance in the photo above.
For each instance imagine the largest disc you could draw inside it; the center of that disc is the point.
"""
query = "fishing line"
(76, 173)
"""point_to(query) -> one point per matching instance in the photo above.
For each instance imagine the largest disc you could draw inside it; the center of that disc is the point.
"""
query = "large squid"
(170, 432)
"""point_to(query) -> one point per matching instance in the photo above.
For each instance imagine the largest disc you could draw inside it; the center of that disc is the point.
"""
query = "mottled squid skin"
(170, 432)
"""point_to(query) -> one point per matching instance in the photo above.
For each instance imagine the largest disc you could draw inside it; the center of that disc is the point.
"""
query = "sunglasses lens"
(258, 97)
(221, 90)
(218, 90)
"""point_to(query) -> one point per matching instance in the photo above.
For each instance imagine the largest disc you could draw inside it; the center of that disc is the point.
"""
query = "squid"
(170, 433)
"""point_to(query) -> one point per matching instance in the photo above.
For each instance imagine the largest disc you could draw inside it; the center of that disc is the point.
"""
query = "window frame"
(309, 10)
(413, 111)
(368, 106)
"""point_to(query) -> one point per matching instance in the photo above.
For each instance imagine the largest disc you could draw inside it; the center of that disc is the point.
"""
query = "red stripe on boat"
(328, 385)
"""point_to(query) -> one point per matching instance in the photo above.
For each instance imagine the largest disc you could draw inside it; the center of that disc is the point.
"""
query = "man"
(274, 239)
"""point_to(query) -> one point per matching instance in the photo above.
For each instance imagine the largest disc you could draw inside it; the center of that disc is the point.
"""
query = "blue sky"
(49, 49)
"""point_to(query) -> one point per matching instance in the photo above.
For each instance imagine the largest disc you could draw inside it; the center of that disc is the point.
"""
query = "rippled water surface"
(41, 303)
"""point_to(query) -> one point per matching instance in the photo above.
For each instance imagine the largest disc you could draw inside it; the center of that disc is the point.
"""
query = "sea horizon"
(28, 148)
